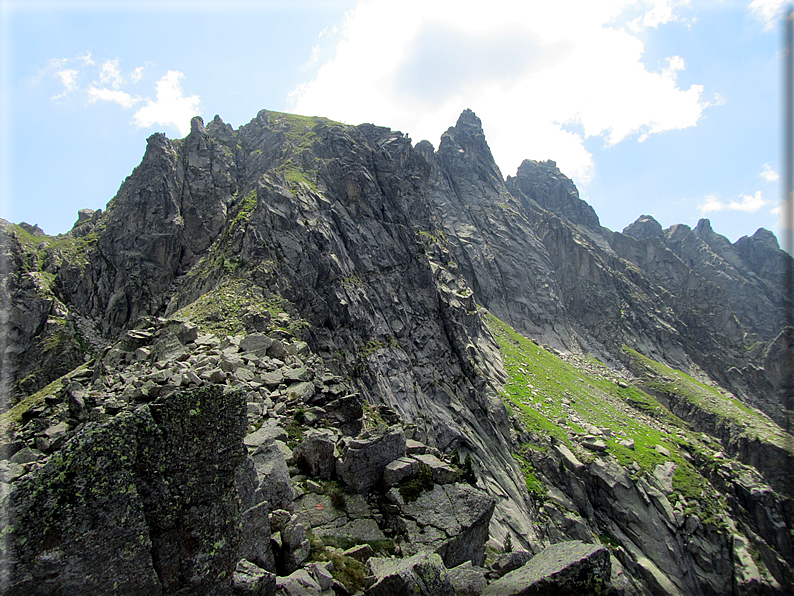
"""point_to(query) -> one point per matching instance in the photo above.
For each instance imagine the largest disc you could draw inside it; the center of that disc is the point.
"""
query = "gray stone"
(507, 562)
(184, 331)
(297, 374)
(216, 376)
(467, 579)
(563, 569)
(279, 520)
(413, 447)
(569, 460)
(264, 434)
(344, 518)
(272, 379)
(277, 351)
(255, 537)
(345, 413)
(420, 575)
(298, 583)
(363, 461)
(273, 477)
(142, 354)
(361, 552)
(167, 347)
(399, 470)
(244, 375)
(593, 443)
(663, 476)
(324, 579)
(251, 580)
(257, 343)
(442, 472)
(302, 390)
(295, 547)
(24, 456)
(315, 454)
(57, 434)
(314, 415)
(451, 520)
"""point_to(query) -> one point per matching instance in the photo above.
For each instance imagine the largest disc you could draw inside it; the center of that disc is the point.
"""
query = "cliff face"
(397, 272)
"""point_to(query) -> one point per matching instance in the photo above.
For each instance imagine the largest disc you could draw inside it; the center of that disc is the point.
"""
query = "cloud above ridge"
(170, 108)
(747, 204)
(543, 77)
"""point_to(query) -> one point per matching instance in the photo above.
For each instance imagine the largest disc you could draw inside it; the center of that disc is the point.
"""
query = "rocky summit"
(305, 358)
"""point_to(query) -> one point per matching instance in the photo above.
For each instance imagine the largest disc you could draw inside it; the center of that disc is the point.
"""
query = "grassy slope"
(660, 378)
(557, 399)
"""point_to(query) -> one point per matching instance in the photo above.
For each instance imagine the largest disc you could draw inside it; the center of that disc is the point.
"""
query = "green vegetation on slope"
(662, 380)
(554, 398)
(220, 310)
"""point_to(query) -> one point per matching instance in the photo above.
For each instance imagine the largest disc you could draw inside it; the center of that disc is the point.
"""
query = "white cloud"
(748, 204)
(657, 12)
(68, 78)
(125, 100)
(110, 73)
(533, 71)
(712, 203)
(63, 69)
(768, 11)
(137, 74)
(172, 108)
(769, 174)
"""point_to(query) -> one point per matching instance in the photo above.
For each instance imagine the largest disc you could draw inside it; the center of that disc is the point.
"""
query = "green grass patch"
(220, 310)
(13, 416)
(549, 392)
(664, 380)
(534, 485)
(546, 392)
(411, 489)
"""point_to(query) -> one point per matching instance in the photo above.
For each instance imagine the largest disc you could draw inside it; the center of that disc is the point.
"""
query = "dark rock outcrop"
(143, 504)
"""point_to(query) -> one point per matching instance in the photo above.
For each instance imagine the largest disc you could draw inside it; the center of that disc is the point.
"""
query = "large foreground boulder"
(421, 575)
(252, 580)
(564, 569)
(142, 504)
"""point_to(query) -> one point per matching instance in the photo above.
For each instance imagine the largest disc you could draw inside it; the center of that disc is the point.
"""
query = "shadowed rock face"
(143, 504)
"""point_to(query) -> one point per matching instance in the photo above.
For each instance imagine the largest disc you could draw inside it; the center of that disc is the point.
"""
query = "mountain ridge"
(386, 260)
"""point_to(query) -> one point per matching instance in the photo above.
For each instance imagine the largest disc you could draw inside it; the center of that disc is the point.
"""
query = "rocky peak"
(463, 146)
(761, 252)
(716, 242)
(197, 125)
(33, 230)
(548, 187)
(221, 131)
(644, 227)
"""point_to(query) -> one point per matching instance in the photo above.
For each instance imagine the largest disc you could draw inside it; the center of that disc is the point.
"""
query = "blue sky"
(660, 107)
